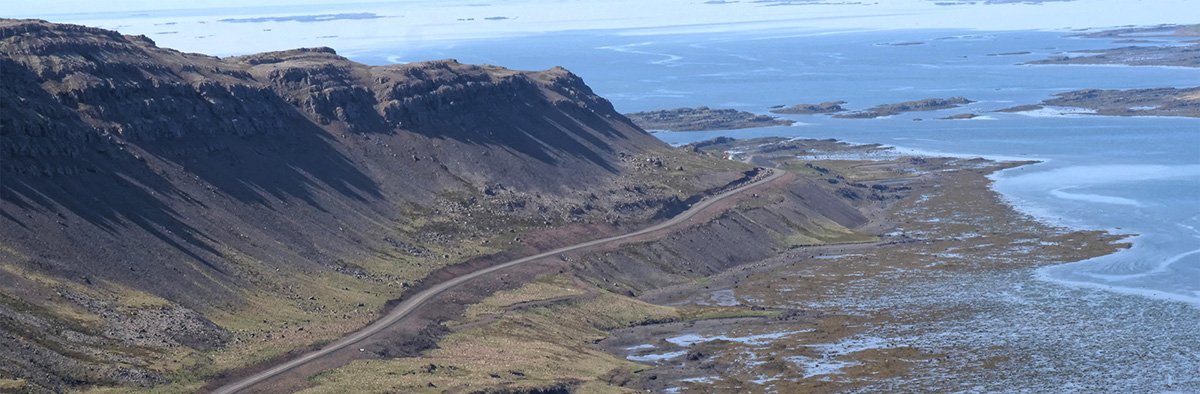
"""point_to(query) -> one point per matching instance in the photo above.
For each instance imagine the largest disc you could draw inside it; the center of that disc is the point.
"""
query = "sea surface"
(1127, 175)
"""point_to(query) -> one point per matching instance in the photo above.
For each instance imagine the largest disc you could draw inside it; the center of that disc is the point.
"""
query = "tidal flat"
(947, 300)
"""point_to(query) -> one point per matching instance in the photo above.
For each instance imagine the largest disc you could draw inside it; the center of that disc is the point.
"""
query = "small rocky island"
(929, 104)
(828, 107)
(1160, 55)
(960, 116)
(1021, 108)
(1133, 102)
(703, 118)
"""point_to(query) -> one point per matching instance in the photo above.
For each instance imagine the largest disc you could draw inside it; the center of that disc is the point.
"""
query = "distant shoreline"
(418, 25)
(1170, 102)
(703, 119)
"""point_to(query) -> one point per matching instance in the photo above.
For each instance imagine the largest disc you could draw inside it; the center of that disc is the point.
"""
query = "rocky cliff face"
(157, 205)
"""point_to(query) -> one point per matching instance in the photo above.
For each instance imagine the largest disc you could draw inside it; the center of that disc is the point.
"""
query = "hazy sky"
(197, 25)
(25, 8)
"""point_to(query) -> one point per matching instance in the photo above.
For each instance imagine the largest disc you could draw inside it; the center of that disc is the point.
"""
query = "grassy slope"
(536, 346)
(313, 310)
(314, 291)
(541, 335)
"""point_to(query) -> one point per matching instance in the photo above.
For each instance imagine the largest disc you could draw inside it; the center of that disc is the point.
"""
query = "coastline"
(887, 315)
(1048, 218)
(1031, 277)
(865, 354)
(1135, 235)
(1052, 213)
(1043, 274)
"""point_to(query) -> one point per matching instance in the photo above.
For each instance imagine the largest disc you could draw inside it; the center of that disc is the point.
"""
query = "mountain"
(165, 215)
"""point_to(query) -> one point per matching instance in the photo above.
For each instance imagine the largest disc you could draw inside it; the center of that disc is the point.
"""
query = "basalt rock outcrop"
(146, 192)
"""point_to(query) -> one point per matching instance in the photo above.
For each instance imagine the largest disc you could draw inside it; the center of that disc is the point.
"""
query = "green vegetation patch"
(537, 345)
(851, 170)
(546, 287)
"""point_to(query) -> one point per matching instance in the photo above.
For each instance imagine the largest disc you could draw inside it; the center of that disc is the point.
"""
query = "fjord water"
(1127, 175)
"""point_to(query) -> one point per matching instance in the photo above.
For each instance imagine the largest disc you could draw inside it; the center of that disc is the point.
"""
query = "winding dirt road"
(408, 306)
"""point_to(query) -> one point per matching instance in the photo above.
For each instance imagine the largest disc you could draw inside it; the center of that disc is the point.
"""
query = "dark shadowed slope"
(164, 213)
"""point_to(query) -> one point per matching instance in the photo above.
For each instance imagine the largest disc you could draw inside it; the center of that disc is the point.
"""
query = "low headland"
(929, 104)
(1145, 32)
(1178, 56)
(703, 118)
(828, 107)
(1138, 55)
(1133, 102)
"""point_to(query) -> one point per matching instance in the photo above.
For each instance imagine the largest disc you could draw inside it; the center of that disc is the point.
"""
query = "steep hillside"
(169, 215)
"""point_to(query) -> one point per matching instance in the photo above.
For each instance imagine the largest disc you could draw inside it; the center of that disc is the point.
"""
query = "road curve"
(411, 304)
